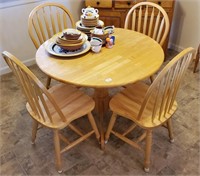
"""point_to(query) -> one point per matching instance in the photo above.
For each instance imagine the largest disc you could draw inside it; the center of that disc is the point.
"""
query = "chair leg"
(169, 127)
(148, 150)
(57, 151)
(48, 82)
(110, 126)
(197, 59)
(196, 64)
(151, 79)
(93, 124)
(34, 131)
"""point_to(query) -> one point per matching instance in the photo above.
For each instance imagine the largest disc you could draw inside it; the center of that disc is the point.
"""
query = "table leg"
(101, 98)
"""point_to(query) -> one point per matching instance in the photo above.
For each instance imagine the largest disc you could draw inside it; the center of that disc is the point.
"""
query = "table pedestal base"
(101, 97)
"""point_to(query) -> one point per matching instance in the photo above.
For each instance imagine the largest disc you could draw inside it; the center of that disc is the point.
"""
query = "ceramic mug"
(96, 44)
(109, 29)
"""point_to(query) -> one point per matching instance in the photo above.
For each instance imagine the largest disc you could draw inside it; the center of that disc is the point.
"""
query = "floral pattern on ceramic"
(90, 12)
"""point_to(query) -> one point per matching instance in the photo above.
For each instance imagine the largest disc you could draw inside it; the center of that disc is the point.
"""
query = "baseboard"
(6, 69)
(176, 47)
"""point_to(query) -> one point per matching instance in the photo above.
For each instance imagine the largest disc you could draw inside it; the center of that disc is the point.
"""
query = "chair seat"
(72, 102)
(128, 102)
(149, 106)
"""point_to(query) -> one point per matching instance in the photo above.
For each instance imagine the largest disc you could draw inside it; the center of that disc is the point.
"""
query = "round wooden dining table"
(133, 57)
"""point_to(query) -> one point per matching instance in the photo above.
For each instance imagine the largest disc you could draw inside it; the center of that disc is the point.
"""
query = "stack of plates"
(89, 22)
(72, 42)
(85, 29)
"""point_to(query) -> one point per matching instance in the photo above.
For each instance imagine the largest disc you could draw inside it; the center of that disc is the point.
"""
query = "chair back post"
(160, 97)
(48, 19)
(35, 92)
(150, 19)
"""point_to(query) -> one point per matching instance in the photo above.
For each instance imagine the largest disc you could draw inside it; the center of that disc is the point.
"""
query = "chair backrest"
(46, 20)
(160, 97)
(39, 99)
(149, 19)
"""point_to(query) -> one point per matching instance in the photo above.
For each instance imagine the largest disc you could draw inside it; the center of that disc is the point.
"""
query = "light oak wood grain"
(150, 106)
(54, 108)
(134, 57)
(116, 12)
(47, 19)
(150, 19)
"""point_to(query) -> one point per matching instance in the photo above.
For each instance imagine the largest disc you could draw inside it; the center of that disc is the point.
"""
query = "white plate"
(55, 50)
(52, 48)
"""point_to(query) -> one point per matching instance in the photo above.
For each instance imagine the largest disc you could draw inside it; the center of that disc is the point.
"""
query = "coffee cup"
(96, 44)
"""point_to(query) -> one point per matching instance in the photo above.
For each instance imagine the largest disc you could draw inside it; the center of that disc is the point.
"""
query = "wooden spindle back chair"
(150, 19)
(54, 108)
(38, 97)
(46, 20)
(150, 106)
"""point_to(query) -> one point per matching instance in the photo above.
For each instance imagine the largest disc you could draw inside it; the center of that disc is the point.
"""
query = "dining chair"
(150, 19)
(55, 108)
(47, 19)
(197, 59)
(149, 106)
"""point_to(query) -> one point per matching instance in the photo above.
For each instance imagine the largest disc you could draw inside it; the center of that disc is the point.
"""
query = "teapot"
(90, 12)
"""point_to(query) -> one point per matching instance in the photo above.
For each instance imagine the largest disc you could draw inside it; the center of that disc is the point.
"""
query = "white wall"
(185, 29)
(14, 36)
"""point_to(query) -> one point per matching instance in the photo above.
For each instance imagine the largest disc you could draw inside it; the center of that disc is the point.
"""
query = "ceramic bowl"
(62, 40)
(71, 34)
(101, 36)
(71, 46)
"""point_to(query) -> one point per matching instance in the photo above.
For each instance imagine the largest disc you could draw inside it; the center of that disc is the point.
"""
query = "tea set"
(101, 36)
